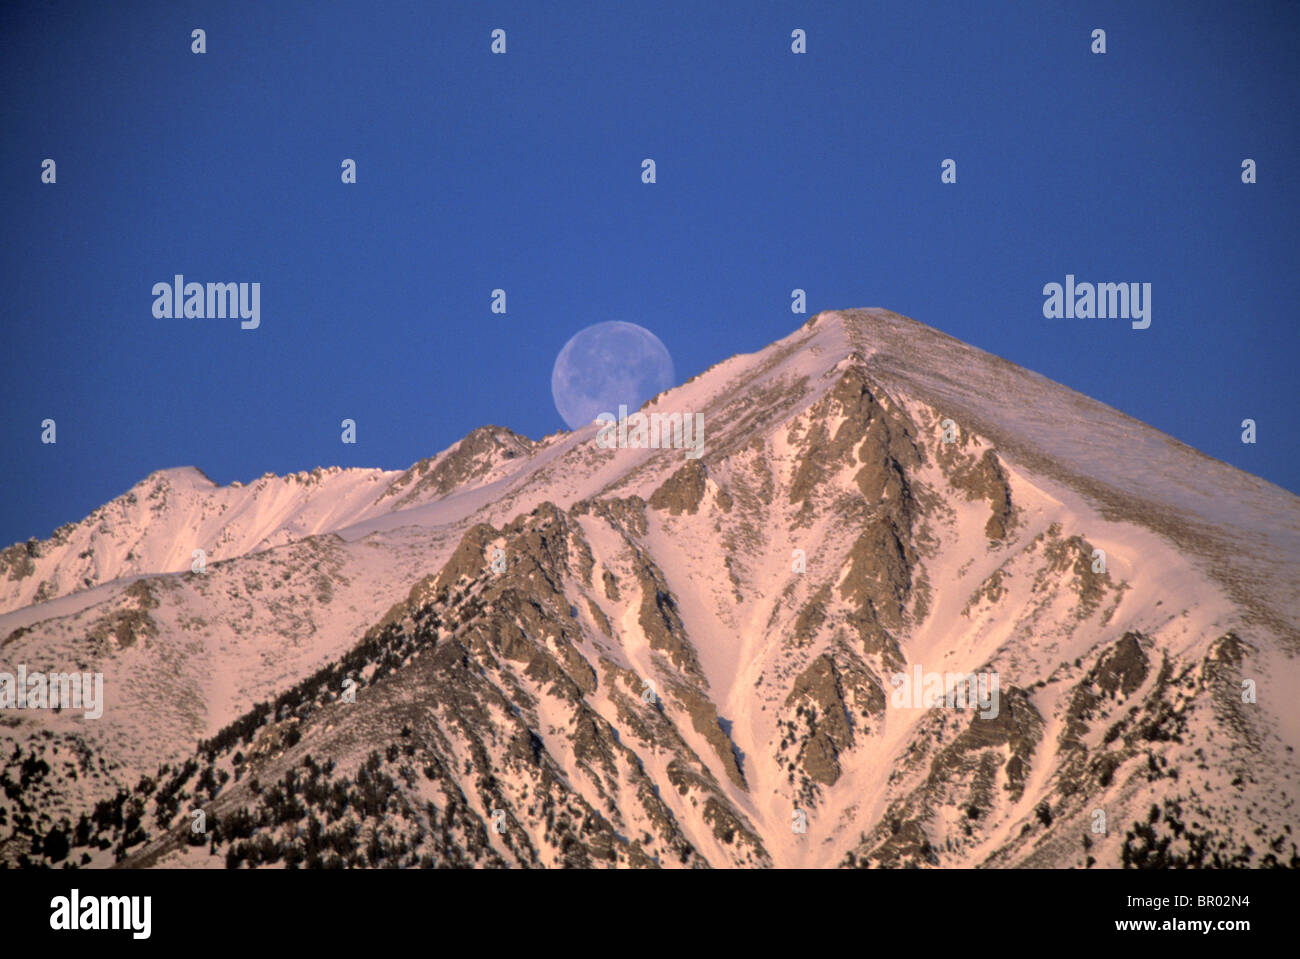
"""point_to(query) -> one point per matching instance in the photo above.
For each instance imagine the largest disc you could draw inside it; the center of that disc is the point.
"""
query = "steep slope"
(632, 657)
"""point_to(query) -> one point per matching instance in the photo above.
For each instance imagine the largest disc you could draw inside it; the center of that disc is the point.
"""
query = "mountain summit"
(912, 606)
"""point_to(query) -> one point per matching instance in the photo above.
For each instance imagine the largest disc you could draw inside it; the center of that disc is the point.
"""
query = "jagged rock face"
(683, 491)
(631, 659)
(832, 701)
(473, 458)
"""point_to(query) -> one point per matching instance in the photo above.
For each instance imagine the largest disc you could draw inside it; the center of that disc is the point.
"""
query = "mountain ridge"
(687, 654)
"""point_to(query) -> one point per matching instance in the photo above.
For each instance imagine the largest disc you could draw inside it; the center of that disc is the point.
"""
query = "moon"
(606, 365)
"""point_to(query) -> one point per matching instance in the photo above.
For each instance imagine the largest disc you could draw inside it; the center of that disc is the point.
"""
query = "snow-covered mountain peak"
(632, 656)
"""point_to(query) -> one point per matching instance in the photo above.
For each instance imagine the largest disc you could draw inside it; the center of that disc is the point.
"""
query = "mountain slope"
(157, 525)
(552, 653)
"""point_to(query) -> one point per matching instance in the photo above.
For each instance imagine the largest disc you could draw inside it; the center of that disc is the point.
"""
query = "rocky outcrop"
(471, 459)
(683, 491)
(982, 478)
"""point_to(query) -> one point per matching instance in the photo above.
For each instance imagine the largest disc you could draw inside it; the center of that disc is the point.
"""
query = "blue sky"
(522, 172)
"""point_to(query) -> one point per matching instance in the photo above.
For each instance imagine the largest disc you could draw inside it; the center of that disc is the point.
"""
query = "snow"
(1180, 531)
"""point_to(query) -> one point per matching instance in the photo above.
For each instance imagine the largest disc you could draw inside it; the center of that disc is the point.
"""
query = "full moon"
(606, 365)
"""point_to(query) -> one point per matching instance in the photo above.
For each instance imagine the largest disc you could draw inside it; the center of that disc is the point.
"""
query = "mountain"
(547, 653)
(156, 525)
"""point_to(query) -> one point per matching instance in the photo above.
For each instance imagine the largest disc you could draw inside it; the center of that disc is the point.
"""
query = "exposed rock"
(470, 459)
(683, 491)
(983, 478)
